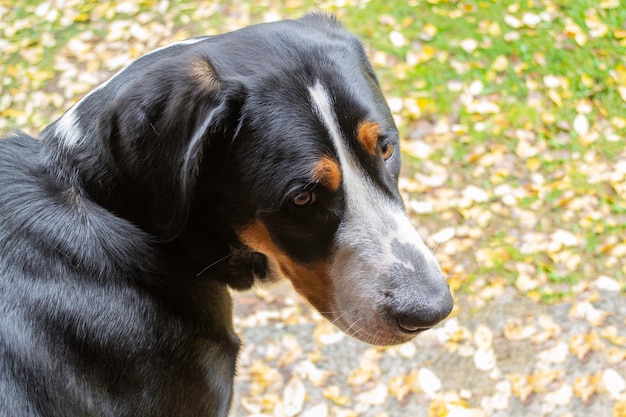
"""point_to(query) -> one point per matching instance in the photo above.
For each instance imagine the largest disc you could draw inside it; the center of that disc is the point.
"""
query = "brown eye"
(386, 150)
(304, 198)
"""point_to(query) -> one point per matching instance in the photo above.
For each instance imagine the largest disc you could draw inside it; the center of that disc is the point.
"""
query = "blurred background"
(513, 121)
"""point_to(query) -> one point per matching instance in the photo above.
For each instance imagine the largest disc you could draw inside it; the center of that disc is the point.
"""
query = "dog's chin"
(371, 330)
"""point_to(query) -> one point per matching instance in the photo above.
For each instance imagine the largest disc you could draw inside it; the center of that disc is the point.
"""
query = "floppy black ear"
(155, 133)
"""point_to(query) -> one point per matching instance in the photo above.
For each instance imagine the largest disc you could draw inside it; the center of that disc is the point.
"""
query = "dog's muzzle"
(388, 286)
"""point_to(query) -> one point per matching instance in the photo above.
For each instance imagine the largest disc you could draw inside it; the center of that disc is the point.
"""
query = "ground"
(512, 117)
(512, 357)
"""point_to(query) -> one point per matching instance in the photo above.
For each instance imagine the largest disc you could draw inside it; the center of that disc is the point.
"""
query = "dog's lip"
(409, 329)
(384, 333)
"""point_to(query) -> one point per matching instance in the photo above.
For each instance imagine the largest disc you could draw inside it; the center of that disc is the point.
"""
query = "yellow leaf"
(93, 66)
(597, 28)
(586, 80)
(574, 31)
(556, 98)
(611, 334)
(500, 64)
(540, 58)
(541, 380)
(533, 164)
(82, 17)
(548, 118)
(619, 409)
(399, 387)
(586, 310)
(12, 113)
(367, 371)
(333, 393)
(609, 4)
(407, 21)
(437, 408)
(429, 30)
(582, 344)
(520, 386)
(618, 122)
(451, 405)
(494, 29)
(622, 92)
(584, 388)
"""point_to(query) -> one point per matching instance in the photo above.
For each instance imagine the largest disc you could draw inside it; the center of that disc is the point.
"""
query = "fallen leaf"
(428, 382)
(581, 345)
(581, 124)
(399, 387)
(293, 397)
(613, 382)
(333, 393)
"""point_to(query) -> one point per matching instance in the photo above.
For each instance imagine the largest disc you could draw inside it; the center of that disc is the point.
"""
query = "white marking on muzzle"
(367, 208)
(373, 222)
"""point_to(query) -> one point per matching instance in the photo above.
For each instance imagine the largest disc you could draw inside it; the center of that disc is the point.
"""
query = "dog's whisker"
(353, 324)
(213, 264)
(339, 317)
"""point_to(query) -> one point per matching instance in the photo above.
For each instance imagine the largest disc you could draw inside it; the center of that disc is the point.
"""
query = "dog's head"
(276, 141)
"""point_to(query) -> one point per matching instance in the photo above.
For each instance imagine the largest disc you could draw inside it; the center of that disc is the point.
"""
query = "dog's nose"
(418, 308)
(421, 296)
(420, 319)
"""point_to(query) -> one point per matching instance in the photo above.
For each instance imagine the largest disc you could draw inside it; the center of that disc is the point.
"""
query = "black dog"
(265, 152)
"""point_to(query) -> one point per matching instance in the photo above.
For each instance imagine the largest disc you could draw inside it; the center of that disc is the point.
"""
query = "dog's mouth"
(379, 333)
(383, 326)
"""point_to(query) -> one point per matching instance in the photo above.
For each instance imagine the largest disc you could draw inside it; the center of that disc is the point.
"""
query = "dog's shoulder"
(57, 225)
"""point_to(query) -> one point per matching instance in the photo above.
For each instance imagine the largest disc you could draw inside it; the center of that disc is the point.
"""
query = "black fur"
(119, 229)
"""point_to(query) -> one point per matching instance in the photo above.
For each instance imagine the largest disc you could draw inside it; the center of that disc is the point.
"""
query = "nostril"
(410, 327)
(418, 320)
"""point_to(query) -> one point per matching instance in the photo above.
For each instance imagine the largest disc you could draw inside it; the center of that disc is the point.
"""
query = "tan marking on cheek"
(312, 281)
(367, 135)
(328, 173)
(202, 72)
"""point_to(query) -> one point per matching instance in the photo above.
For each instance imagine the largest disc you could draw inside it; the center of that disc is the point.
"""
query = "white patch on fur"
(68, 129)
(364, 240)
(367, 206)
(68, 126)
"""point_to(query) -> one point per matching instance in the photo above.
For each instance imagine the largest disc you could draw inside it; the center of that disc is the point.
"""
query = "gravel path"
(511, 357)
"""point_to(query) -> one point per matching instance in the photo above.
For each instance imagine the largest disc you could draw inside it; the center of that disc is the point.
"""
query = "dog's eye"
(304, 198)
(386, 150)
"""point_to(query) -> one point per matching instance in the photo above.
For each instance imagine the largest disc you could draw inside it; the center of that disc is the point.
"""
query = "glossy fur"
(266, 152)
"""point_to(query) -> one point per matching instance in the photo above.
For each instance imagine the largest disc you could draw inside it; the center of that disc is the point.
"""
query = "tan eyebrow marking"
(328, 173)
(367, 135)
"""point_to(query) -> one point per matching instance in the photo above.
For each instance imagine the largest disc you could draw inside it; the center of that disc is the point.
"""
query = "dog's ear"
(155, 134)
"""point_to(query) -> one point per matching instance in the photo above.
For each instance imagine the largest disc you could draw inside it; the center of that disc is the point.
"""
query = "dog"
(206, 165)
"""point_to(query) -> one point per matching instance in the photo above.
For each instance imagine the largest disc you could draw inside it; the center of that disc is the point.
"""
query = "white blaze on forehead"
(369, 213)
(68, 127)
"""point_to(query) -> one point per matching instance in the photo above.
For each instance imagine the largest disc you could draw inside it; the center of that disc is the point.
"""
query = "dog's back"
(84, 326)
